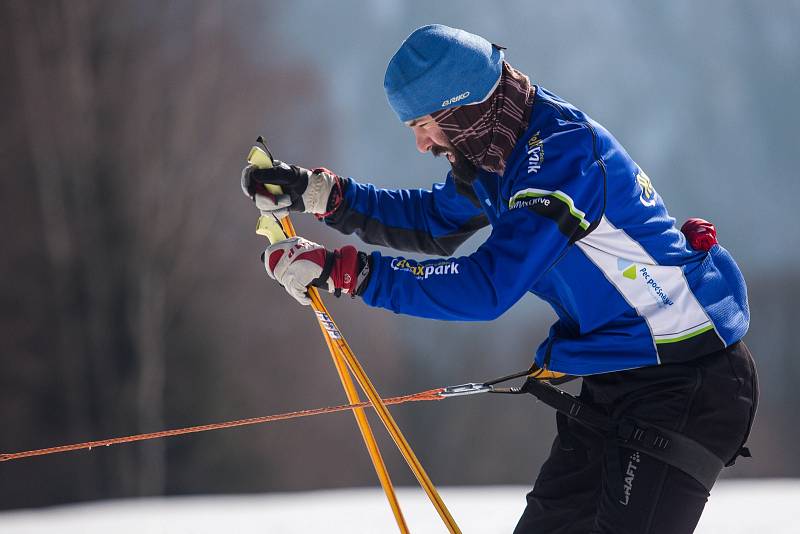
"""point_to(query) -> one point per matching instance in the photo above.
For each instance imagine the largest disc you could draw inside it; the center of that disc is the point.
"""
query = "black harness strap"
(667, 446)
(672, 448)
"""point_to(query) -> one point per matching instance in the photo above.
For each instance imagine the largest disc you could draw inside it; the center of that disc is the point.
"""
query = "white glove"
(303, 190)
(297, 263)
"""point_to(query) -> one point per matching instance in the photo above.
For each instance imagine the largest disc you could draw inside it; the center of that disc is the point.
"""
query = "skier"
(651, 318)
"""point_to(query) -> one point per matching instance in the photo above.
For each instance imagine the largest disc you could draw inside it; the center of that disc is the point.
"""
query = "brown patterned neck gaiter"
(487, 132)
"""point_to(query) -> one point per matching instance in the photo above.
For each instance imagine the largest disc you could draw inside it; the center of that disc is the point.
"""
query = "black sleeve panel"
(371, 230)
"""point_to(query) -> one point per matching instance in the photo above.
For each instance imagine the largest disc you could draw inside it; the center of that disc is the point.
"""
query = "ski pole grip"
(268, 225)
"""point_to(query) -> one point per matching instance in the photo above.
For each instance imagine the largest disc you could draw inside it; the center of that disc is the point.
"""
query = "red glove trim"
(344, 274)
(315, 256)
(274, 258)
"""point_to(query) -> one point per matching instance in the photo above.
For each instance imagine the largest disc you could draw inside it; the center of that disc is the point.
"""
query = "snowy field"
(736, 507)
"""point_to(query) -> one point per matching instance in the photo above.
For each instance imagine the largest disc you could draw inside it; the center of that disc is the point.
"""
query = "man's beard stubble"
(464, 172)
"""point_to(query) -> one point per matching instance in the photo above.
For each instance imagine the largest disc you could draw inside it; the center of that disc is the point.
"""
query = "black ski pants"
(592, 485)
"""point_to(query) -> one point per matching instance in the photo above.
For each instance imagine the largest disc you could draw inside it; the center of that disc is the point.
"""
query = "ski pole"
(272, 229)
(388, 421)
(332, 333)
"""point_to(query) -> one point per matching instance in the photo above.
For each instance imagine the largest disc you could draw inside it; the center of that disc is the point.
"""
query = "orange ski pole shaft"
(334, 336)
(364, 427)
(383, 413)
(269, 227)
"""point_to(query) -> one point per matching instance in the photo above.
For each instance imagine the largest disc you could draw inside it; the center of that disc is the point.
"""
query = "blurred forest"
(131, 294)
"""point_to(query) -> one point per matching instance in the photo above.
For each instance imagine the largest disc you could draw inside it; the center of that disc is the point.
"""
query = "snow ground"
(736, 507)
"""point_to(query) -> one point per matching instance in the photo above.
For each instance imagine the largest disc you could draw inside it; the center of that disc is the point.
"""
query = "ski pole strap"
(667, 446)
(322, 280)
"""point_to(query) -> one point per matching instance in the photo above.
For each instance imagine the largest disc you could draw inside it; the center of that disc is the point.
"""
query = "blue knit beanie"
(438, 67)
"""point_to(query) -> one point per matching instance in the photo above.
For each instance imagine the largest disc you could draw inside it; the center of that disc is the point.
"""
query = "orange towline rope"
(429, 395)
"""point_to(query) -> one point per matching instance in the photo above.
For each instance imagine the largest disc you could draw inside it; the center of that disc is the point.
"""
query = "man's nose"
(423, 142)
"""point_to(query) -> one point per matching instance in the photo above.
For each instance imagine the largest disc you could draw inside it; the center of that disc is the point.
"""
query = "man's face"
(430, 138)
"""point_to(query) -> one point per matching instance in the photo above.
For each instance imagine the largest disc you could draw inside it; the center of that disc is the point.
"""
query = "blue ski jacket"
(574, 221)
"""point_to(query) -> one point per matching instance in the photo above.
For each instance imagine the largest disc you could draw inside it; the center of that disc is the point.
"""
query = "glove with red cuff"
(297, 263)
(700, 233)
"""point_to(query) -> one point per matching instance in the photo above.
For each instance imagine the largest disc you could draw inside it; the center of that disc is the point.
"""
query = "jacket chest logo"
(648, 196)
(535, 153)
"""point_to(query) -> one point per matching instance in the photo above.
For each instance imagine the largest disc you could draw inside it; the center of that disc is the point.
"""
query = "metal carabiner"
(465, 389)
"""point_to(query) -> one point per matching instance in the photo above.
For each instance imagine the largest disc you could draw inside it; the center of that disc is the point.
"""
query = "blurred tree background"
(132, 298)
